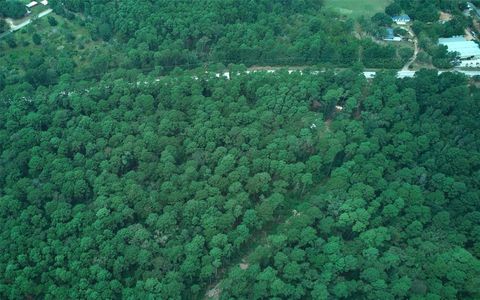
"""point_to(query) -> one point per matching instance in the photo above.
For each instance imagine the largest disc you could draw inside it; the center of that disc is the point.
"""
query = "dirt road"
(406, 67)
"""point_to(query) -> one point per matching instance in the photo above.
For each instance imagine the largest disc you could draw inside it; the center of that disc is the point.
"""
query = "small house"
(44, 2)
(401, 20)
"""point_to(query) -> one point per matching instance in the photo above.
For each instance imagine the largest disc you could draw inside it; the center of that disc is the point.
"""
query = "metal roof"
(401, 18)
(460, 45)
(390, 34)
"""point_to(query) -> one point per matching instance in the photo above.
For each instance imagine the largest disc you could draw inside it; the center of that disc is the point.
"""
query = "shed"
(44, 2)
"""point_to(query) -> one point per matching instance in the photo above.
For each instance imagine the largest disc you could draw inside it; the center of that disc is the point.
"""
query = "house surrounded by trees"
(401, 19)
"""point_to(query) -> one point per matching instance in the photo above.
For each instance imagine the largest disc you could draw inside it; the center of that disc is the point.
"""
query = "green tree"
(37, 40)
(52, 21)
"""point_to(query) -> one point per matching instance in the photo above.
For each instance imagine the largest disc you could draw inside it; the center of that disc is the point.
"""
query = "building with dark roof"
(390, 36)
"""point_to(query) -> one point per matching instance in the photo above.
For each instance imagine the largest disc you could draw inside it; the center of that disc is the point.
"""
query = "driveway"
(415, 51)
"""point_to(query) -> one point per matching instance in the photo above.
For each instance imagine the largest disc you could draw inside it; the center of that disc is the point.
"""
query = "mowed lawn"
(356, 8)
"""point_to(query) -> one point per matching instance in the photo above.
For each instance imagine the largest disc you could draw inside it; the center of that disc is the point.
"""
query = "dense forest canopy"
(152, 189)
(12, 9)
(124, 176)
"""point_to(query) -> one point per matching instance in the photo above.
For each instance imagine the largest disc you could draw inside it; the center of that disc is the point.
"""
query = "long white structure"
(466, 49)
(367, 74)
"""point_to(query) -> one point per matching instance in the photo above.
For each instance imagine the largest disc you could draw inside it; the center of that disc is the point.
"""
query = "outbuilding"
(390, 36)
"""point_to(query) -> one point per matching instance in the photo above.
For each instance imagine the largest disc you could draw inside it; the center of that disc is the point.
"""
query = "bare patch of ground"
(214, 293)
(468, 35)
(445, 16)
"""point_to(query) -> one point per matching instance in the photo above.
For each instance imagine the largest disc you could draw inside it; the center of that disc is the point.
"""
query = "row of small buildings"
(35, 3)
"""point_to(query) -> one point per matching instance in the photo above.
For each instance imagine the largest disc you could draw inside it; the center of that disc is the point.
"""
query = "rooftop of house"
(390, 34)
(401, 18)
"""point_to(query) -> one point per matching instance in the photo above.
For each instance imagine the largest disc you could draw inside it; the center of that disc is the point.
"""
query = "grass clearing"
(67, 38)
(357, 8)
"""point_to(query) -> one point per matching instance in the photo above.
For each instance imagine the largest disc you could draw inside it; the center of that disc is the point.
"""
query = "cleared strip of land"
(357, 8)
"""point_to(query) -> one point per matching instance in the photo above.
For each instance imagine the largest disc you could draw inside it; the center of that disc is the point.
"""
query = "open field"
(356, 8)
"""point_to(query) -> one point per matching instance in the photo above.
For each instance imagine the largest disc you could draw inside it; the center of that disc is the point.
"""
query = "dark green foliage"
(156, 36)
(11, 41)
(165, 181)
(36, 39)
(375, 55)
(52, 21)
(248, 32)
(12, 9)
(382, 19)
(153, 188)
(400, 31)
(3, 26)
(401, 201)
(393, 9)
(115, 184)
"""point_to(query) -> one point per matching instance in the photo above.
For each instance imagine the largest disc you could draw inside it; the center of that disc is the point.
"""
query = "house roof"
(32, 4)
(461, 45)
(401, 18)
(390, 34)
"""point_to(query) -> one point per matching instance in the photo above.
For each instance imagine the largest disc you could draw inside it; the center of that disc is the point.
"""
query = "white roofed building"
(466, 49)
(32, 4)
(401, 20)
